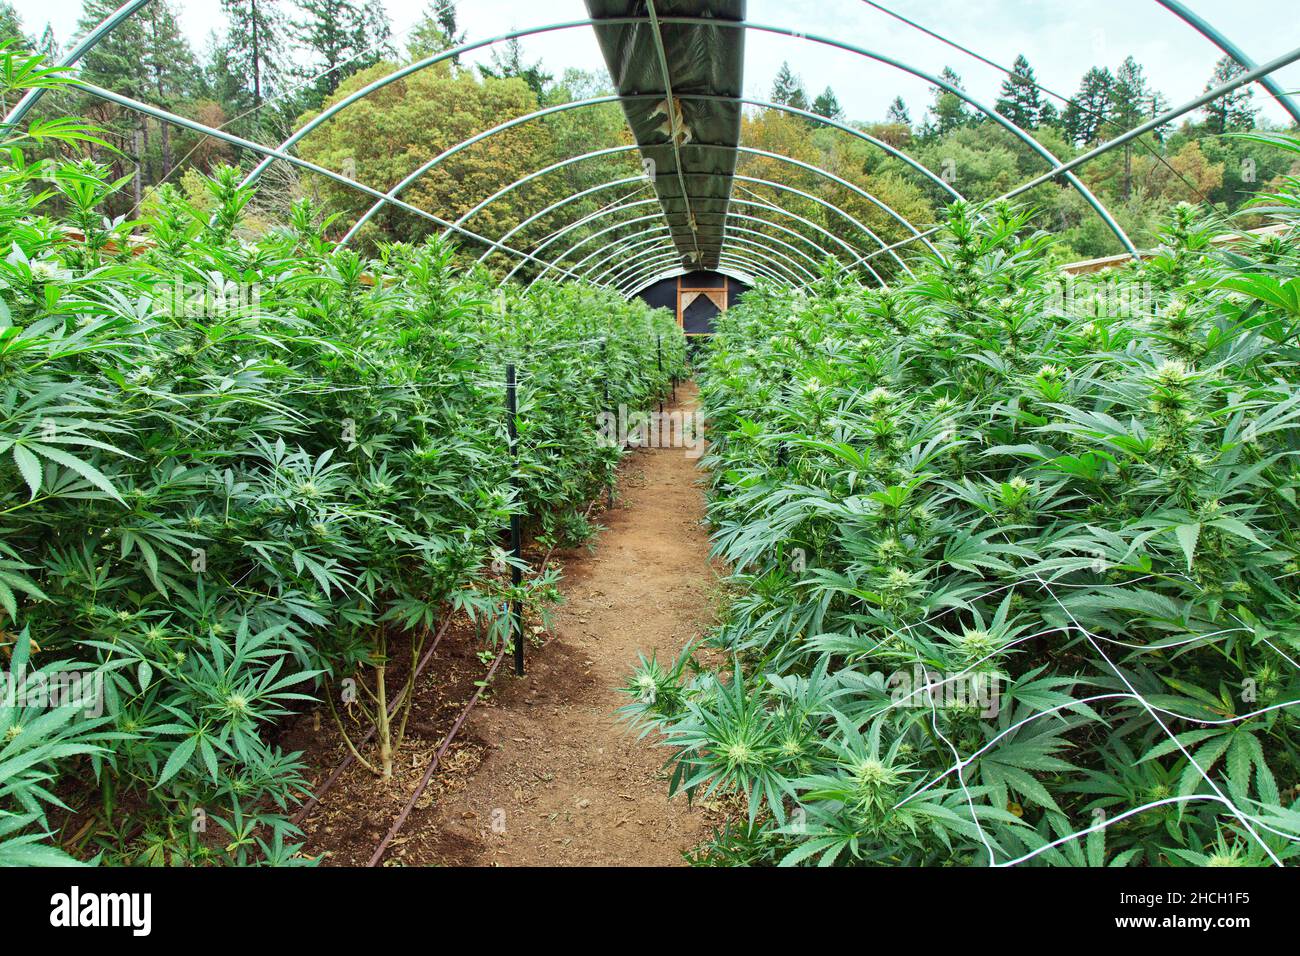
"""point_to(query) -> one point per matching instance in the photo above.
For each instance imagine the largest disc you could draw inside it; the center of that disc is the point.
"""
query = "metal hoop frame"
(1254, 74)
(745, 149)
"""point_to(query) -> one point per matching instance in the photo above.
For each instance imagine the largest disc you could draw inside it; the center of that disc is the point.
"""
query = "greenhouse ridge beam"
(680, 49)
(677, 130)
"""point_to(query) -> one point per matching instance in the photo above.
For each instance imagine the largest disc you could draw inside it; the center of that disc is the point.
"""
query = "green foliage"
(1016, 562)
(234, 473)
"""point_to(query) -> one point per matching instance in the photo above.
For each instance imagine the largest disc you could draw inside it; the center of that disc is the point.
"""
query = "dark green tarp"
(702, 60)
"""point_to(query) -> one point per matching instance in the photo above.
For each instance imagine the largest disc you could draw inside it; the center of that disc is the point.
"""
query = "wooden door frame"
(725, 289)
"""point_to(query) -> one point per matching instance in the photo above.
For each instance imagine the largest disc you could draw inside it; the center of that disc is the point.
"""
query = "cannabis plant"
(1016, 560)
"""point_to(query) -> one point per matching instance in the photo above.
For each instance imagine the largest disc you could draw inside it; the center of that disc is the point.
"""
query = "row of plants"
(1015, 561)
(241, 473)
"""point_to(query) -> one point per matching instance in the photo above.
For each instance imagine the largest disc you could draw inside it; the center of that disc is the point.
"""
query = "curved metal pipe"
(750, 271)
(861, 257)
(733, 262)
(617, 149)
(775, 258)
(775, 255)
(618, 246)
(884, 207)
(87, 43)
(428, 166)
(1207, 30)
(414, 67)
(757, 265)
(856, 256)
(586, 221)
(780, 186)
(943, 84)
(756, 260)
(795, 250)
(550, 169)
(464, 144)
(623, 246)
(164, 116)
(737, 274)
(1058, 168)
(757, 152)
(569, 228)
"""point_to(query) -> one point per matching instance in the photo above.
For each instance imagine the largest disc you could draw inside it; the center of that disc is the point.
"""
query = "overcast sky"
(1061, 38)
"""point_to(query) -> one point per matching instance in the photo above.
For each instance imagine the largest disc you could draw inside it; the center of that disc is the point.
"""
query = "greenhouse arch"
(968, 550)
(608, 20)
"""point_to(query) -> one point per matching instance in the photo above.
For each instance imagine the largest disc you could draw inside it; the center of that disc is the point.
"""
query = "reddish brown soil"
(543, 773)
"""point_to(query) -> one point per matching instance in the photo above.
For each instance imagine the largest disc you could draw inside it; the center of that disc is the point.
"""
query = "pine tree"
(220, 80)
(1085, 117)
(948, 110)
(828, 105)
(1232, 111)
(511, 64)
(11, 27)
(48, 46)
(115, 63)
(436, 31)
(255, 44)
(168, 65)
(1020, 101)
(1133, 102)
(897, 113)
(345, 37)
(1131, 95)
(787, 89)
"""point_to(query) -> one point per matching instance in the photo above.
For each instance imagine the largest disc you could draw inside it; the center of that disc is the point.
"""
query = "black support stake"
(659, 347)
(604, 361)
(516, 612)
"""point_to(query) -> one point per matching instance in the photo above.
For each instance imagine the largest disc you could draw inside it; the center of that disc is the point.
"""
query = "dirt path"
(560, 781)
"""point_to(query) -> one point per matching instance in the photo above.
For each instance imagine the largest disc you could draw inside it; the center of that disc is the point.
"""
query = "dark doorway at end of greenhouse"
(696, 298)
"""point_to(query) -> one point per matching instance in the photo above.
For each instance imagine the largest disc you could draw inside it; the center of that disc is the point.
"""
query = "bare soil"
(543, 773)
